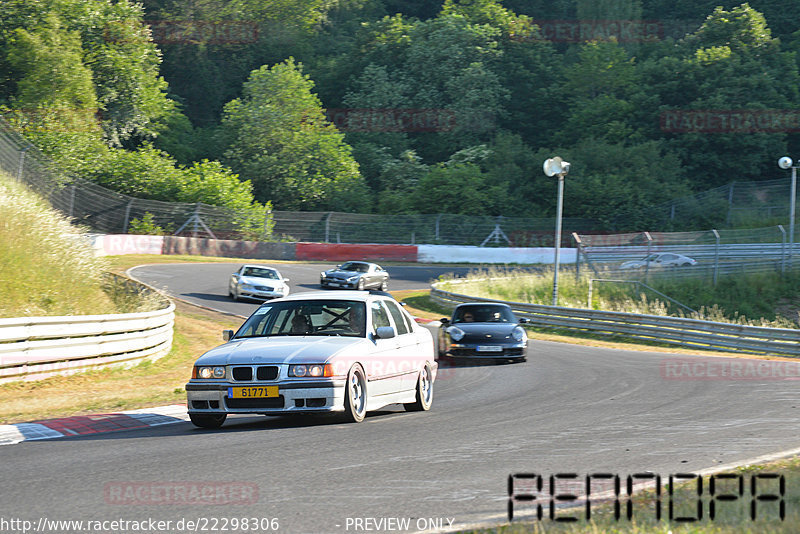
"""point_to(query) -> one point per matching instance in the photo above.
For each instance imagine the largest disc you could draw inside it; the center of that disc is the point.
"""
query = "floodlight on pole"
(787, 163)
(557, 167)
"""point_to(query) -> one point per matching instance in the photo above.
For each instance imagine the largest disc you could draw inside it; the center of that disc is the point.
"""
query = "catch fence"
(718, 252)
(105, 211)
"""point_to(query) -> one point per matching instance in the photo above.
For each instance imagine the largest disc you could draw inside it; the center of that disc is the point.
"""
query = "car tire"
(385, 285)
(424, 392)
(206, 420)
(235, 295)
(360, 284)
(355, 395)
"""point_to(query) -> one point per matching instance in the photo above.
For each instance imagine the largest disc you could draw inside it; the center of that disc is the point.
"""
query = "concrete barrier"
(228, 248)
(112, 245)
(347, 251)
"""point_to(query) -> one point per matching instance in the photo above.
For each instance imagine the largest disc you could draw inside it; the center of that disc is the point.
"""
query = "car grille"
(262, 288)
(263, 372)
(266, 402)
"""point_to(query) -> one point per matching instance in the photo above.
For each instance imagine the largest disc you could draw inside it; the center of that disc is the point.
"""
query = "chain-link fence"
(737, 204)
(106, 211)
(717, 252)
(435, 229)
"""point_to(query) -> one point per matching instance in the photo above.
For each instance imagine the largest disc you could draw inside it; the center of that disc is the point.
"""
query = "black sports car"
(483, 331)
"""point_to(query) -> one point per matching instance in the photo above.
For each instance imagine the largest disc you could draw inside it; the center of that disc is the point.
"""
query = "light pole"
(786, 163)
(557, 167)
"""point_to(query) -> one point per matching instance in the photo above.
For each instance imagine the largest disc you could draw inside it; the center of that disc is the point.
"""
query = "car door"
(382, 371)
(371, 276)
(408, 349)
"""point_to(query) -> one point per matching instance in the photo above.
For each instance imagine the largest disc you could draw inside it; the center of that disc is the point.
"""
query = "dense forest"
(407, 106)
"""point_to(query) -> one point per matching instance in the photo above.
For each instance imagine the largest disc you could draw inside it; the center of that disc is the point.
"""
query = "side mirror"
(385, 332)
(285, 279)
(227, 335)
(444, 320)
(524, 320)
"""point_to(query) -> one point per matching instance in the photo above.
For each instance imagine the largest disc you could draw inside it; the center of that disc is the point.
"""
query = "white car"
(660, 259)
(257, 282)
(313, 352)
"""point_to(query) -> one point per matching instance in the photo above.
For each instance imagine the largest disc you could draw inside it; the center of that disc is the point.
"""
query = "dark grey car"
(355, 275)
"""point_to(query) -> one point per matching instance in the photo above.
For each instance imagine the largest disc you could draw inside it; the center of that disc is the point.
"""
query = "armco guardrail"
(690, 333)
(37, 347)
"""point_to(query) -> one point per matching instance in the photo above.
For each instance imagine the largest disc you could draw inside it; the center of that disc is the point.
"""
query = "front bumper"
(472, 351)
(343, 284)
(307, 396)
(261, 295)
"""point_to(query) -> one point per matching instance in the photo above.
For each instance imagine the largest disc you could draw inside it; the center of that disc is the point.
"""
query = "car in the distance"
(483, 331)
(316, 352)
(355, 275)
(258, 282)
(660, 259)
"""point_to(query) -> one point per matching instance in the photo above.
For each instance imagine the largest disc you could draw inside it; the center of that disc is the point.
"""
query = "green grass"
(46, 266)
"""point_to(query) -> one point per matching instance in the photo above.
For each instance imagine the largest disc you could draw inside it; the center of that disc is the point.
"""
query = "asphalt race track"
(207, 284)
(568, 409)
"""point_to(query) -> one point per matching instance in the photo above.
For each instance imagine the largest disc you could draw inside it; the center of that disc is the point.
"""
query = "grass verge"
(147, 384)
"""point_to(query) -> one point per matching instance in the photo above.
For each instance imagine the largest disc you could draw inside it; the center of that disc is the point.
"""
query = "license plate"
(333, 284)
(252, 392)
(490, 348)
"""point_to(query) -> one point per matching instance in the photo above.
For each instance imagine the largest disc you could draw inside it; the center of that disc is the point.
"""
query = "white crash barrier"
(37, 347)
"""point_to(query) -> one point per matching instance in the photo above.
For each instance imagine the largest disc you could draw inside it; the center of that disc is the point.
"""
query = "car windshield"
(484, 314)
(259, 272)
(306, 318)
(355, 267)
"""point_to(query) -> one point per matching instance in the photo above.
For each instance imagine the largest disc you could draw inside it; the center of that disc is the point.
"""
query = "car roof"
(258, 266)
(482, 305)
(330, 295)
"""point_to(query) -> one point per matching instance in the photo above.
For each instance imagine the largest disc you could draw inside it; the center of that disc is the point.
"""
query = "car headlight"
(518, 334)
(311, 370)
(209, 372)
(455, 333)
(353, 278)
(323, 274)
(246, 286)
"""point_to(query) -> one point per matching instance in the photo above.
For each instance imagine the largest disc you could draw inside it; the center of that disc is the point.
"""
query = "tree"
(282, 142)
(598, 89)
(460, 188)
(54, 101)
(733, 65)
(608, 180)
